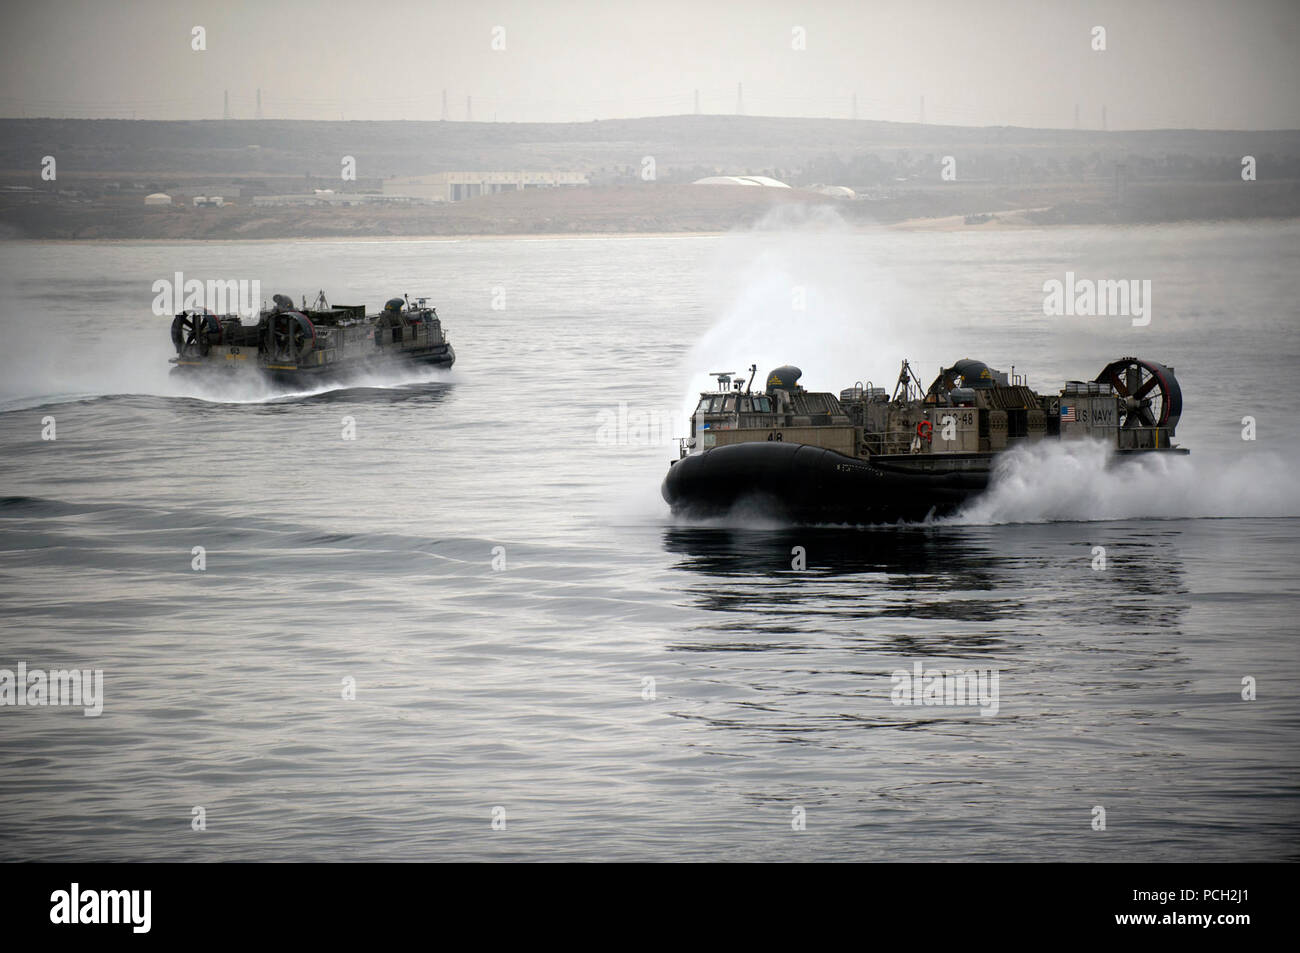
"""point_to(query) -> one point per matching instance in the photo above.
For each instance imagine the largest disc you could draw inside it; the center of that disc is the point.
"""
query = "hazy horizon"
(1202, 64)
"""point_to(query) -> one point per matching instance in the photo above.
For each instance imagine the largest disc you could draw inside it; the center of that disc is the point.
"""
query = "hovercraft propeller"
(282, 341)
(1149, 392)
(190, 328)
(288, 335)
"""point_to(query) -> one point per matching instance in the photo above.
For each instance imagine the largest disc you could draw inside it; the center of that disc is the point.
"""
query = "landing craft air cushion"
(866, 457)
(297, 345)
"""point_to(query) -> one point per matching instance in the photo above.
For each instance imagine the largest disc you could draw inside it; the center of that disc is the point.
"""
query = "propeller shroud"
(1149, 393)
(194, 329)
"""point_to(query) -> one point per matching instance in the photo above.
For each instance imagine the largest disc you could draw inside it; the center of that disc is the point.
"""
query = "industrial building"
(457, 186)
(330, 197)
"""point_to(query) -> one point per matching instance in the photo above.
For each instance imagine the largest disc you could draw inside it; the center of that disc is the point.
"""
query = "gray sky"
(1209, 64)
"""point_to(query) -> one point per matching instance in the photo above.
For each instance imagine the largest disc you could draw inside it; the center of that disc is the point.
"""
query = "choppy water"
(525, 687)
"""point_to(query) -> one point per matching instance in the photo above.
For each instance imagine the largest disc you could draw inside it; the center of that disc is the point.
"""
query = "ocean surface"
(544, 664)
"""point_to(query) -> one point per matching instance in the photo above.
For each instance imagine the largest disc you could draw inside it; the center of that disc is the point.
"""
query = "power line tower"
(740, 99)
(444, 104)
(259, 102)
(225, 111)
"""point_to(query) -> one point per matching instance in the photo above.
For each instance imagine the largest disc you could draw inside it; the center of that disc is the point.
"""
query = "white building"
(158, 198)
(332, 198)
(457, 186)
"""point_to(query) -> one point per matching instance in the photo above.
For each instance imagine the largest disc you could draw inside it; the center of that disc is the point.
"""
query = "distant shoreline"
(869, 174)
(947, 223)
(368, 240)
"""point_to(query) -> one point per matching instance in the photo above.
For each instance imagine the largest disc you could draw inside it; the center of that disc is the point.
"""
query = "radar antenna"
(724, 379)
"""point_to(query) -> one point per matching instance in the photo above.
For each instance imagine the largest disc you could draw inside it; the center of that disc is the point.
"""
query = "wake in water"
(1084, 481)
(253, 389)
(236, 389)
